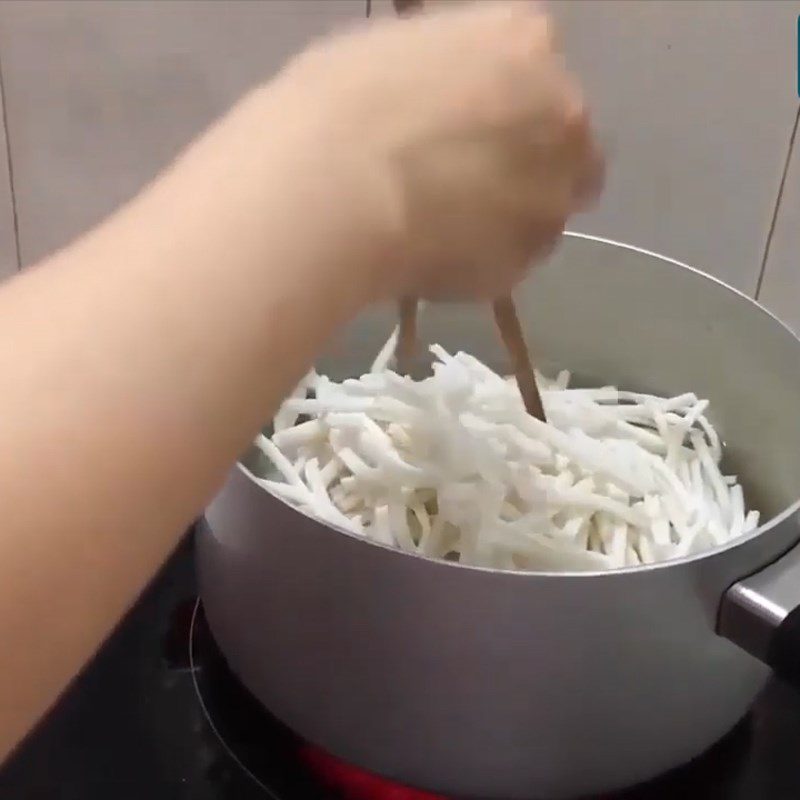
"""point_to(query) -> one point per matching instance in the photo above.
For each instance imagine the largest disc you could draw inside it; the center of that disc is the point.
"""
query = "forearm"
(135, 366)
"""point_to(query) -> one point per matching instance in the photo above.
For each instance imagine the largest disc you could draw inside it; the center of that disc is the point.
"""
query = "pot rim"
(770, 524)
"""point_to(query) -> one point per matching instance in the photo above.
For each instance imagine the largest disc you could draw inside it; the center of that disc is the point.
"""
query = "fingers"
(589, 183)
(541, 108)
(531, 244)
(479, 134)
(585, 162)
(407, 6)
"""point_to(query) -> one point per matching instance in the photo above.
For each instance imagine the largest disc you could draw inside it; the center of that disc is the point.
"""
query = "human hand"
(472, 143)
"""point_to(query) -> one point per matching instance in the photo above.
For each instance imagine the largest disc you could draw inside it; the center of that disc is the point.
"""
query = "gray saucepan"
(483, 683)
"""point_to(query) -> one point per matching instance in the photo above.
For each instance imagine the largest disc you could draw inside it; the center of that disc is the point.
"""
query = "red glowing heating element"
(357, 784)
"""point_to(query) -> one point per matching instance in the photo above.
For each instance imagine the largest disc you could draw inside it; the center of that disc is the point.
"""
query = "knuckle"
(574, 110)
(576, 114)
(544, 32)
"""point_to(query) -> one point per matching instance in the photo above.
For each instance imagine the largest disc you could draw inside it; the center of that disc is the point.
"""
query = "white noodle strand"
(452, 467)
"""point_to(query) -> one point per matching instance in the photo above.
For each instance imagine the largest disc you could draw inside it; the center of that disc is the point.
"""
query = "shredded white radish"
(453, 467)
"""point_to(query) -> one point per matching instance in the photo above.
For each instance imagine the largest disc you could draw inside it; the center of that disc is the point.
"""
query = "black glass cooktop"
(157, 714)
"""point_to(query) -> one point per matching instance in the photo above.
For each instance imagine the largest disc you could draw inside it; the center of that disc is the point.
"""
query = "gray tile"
(695, 100)
(698, 101)
(780, 290)
(100, 95)
(380, 7)
(8, 244)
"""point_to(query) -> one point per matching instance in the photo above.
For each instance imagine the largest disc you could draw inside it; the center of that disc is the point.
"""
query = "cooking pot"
(483, 683)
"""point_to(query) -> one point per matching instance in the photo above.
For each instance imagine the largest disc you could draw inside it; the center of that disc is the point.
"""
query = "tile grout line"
(10, 170)
(776, 210)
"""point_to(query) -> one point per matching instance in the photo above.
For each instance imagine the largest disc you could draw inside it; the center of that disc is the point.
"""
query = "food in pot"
(453, 467)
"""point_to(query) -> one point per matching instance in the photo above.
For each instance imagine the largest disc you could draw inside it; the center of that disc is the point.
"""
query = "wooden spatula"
(407, 334)
(507, 321)
(505, 316)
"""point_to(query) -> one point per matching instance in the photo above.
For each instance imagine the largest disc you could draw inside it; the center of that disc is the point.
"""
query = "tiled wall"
(697, 101)
(100, 94)
(780, 287)
(8, 244)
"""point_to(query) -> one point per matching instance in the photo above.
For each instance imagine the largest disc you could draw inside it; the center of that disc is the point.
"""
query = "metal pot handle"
(761, 614)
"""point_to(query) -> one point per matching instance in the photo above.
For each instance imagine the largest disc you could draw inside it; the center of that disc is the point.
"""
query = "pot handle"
(761, 614)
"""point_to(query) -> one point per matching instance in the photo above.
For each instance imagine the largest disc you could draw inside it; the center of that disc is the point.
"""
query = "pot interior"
(613, 314)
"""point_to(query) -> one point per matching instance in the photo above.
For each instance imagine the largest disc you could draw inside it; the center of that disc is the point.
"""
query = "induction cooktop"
(158, 714)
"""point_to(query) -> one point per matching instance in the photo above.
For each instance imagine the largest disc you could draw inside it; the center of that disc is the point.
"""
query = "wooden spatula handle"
(505, 315)
(407, 335)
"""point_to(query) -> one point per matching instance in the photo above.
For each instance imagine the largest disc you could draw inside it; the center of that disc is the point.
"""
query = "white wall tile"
(100, 95)
(696, 100)
(8, 245)
(780, 290)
